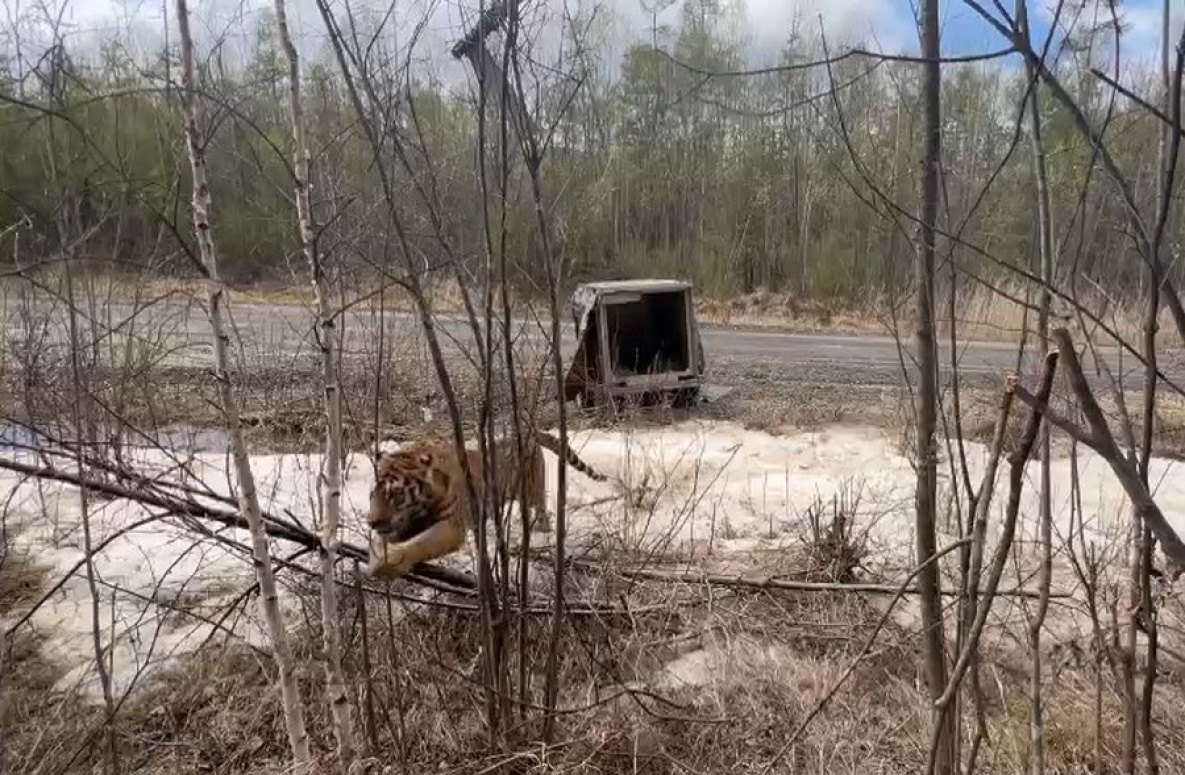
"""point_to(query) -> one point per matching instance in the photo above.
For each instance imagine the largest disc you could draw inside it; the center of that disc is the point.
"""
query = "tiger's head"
(408, 493)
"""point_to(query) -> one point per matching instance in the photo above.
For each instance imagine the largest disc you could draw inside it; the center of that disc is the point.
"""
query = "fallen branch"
(752, 581)
(436, 577)
(426, 575)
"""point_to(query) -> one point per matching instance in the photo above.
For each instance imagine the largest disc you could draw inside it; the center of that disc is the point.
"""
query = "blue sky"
(965, 31)
(883, 24)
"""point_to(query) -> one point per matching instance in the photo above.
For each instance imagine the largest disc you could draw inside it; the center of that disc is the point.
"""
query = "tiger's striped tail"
(553, 444)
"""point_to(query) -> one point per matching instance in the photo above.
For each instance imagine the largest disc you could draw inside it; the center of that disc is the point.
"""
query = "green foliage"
(654, 169)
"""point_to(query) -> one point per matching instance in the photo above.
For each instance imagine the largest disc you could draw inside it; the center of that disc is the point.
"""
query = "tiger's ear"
(391, 449)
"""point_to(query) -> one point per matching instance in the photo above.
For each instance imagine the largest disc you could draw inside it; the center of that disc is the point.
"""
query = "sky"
(887, 25)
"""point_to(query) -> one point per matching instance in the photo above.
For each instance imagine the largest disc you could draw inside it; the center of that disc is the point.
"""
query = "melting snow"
(709, 493)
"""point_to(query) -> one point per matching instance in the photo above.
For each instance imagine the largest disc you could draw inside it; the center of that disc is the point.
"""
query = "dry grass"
(20, 580)
(762, 309)
(442, 296)
(633, 689)
(713, 690)
(217, 711)
(989, 316)
(983, 314)
(697, 680)
(36, 721)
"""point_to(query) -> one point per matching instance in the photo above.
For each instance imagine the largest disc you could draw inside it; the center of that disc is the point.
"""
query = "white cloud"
(1144, 25)
(1140, 40)
(768, 23)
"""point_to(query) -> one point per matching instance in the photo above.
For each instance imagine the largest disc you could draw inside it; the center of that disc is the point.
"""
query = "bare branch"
(1098, 437)
(1015, 486)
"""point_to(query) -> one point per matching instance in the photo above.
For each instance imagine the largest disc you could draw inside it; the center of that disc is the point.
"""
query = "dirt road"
(179, 328)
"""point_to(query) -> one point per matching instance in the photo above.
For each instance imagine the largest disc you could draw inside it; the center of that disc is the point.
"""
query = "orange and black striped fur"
(419, 505)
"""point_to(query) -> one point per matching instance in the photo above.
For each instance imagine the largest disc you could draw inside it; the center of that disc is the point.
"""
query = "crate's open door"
(584, 373)
(634, 337)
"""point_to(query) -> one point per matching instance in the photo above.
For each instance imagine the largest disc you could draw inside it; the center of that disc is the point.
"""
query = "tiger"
(419, 504)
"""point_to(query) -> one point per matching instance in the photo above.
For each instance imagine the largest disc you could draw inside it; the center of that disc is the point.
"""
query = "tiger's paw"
(394, 563)
(400, 562)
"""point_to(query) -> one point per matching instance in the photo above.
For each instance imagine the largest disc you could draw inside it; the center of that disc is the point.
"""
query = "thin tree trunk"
(493, 617)
(340, 707)
(68, 230)
(1169, 152)
(520, 121)
(248, 498)
(1045, 260)
(84, 416)
(933, 637)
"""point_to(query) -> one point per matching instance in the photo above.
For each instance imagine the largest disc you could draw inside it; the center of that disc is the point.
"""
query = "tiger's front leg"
(379, 555)
(395, 560)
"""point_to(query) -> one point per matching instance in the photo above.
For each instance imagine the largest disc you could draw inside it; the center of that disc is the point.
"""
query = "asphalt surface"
(279, 332)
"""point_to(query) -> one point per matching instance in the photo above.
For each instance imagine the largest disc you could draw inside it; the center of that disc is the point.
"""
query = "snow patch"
(712, 494)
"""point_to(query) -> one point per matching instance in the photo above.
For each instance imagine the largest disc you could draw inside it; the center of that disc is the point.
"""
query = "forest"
(790, 180)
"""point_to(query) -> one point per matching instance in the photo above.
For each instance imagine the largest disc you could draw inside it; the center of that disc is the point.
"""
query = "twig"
(369, 724)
